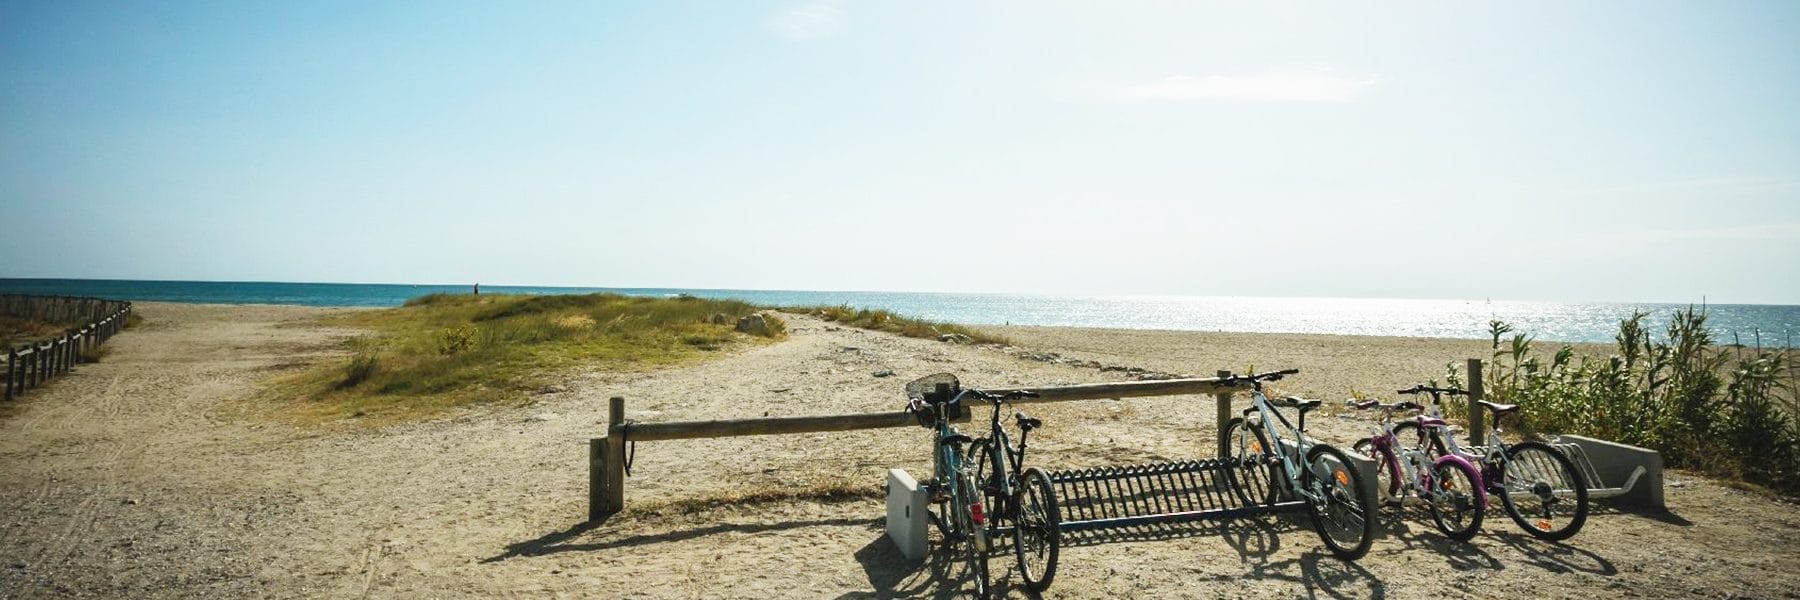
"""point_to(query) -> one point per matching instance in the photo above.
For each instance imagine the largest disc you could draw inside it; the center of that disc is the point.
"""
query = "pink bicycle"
(1450, 488)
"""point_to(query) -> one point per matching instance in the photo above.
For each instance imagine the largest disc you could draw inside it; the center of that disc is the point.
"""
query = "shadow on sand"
(560, 541)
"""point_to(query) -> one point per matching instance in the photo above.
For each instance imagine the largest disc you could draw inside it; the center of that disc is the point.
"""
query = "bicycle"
(936, 400)
(1449, 486)
(1538, 485)
(1318, 474)
(1018, 496)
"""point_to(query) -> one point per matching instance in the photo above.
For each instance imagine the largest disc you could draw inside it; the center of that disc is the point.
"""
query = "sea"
(1750, 324)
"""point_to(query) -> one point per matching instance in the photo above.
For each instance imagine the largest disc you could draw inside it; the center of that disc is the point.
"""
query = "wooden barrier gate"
(606, 454)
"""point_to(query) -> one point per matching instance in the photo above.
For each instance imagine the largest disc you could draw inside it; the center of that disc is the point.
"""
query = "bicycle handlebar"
(1422, 388)
(1397, 406)
(1233, 380)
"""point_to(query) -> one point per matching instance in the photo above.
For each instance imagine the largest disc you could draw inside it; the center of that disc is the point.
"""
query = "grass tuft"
(1721, 409)
(442, 351)
(360, 369)
(882, 320)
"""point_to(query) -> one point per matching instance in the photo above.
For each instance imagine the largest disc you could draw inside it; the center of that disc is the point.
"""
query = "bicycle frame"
(1289, 460)
(1405, 473)
(1489, 462)
(948, 468)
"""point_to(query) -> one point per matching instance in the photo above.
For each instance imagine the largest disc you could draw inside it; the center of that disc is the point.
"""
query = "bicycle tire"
(1534, 469)
(1343, 489)
(942, 514)
(1038, 517)
(1436, 440)
(998, 509)
(1456, 507)
(1250, 473)
(1387, 469)
(976, 543)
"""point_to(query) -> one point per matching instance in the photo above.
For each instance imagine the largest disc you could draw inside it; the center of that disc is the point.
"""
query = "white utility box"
(906, 517)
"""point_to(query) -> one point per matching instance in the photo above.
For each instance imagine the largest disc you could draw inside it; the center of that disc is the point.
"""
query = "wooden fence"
(606, 455)
(34, 363)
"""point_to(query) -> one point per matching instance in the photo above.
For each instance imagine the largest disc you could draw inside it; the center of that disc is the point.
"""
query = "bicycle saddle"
(1302, 403)
(1027, 423)
(1500, 409)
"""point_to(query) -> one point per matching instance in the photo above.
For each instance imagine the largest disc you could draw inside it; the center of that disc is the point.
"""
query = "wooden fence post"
(1477, 415)
(606, 465)
(1222, 401)
(12, 361)
(596, 478)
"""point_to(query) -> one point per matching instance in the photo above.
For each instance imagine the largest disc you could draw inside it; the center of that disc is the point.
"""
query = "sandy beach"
(142, 476)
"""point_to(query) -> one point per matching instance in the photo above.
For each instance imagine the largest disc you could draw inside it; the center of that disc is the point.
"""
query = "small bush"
(1703, 407)
(771, 327)
(451, 342)
(360, 369)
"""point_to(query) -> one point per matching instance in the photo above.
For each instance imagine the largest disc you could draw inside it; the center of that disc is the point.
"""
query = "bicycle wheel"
(1251, 474)
(1340, 513)
(975, 544)
(1455, 498)
(1406, 435)
(989, 486)
(944, 513)
(1387, 469)
(1037, 530)
(1542, 491)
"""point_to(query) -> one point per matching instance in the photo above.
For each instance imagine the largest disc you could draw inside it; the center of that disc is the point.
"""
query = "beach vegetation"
(1725, 410)
(882, 320)
(443, 351)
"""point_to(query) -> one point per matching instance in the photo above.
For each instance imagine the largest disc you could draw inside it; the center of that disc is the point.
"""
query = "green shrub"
(1670, 394)
(772, 327)
(360, 369)
(454, 341)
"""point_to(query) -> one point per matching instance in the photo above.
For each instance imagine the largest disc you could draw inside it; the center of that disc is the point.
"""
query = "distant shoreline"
(1415, 318)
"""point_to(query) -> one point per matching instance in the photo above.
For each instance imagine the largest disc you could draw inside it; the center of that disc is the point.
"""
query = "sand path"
(125, 480)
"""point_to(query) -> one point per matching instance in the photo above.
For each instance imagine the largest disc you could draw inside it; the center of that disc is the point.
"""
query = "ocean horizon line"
(1038, 294)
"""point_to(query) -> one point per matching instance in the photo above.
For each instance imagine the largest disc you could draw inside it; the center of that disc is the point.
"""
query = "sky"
(1622, 151)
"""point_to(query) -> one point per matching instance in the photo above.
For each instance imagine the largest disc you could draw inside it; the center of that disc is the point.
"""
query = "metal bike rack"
(1152, 494)
(1597, 486)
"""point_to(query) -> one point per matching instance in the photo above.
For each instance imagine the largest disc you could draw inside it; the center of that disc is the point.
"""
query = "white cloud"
(810, 21)
(1281, 85)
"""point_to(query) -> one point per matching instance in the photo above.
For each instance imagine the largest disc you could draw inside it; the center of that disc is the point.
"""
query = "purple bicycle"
(1538, 485)
(1449, 486)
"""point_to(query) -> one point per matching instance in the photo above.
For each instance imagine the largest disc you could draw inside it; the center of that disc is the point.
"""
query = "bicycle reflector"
(1342, 478)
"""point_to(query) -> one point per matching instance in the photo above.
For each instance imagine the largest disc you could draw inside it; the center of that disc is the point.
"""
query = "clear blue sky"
(1638, 151)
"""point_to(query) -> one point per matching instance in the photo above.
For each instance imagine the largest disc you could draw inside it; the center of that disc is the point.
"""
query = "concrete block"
(1615, 464)
(906, 517)
(1365, 469)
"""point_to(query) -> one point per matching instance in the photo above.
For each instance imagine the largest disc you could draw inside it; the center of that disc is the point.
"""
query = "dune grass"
(443, 351)
(19, 330)
(1724, 410)
(882, 320)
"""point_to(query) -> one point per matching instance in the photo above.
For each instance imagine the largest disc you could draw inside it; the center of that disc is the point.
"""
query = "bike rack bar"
(1114, 497)
(1597, 488)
